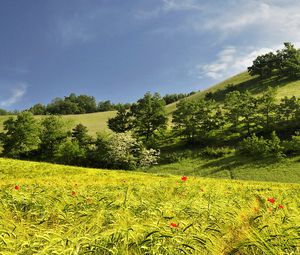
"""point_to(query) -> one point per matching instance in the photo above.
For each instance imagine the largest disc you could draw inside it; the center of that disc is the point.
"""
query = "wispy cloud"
(168, 6)
(75, 29)
(229, 61)
(16, 94)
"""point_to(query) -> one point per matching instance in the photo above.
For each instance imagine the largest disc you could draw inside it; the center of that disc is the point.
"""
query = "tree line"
(81, 104)
(52, 140)
(284, 63)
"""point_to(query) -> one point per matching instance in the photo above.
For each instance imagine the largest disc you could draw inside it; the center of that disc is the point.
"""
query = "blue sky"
(118, 50)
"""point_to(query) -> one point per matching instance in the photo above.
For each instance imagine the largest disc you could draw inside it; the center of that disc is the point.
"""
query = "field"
(235, 168)
(95, 122)
(53, 209)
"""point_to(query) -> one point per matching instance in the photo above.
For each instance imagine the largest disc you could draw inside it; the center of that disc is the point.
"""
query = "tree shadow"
(232, 162)
(256, 85)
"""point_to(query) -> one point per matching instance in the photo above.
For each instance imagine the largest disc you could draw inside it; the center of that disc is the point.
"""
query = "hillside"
(243, 81)
(55, 209)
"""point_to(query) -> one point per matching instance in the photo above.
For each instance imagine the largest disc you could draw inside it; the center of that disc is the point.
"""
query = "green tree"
(122, 122)
(288, 108)
(38, 109)
(54, 132)
(192, 118)
(21, 135)
(122, 151)
(248, 110)
(267, 107)
(233, 109)
(81, 136)
(70, 153)
(149, 115)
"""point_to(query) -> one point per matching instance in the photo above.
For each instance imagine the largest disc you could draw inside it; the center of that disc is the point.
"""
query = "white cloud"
(16, 94)
(229, 61)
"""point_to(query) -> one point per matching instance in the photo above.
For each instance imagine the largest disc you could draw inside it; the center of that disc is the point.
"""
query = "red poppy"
(184, 178)
(73, 193)
(271, 200)
(17, 187)
(280, 206)
(174, 225)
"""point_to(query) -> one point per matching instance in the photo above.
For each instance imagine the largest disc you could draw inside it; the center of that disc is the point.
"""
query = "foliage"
(260, 147)
(122, 151)
(21, 135)
(285, 62)
(149, 115)
(194, 118)
(218, 152)
(54, 132)
(70, 153)
(122, 122)
(81, 136)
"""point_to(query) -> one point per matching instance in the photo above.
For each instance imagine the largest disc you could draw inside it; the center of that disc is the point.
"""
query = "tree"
(149, 115)
(233, 107)
(267, 106)
(122, 122)
(54, 132)
(288, 108)
(248, 110)
(70, 153)
(196, 118)
(122, 151)
(105, 106)
(290, 61)
(21, 136)
(38, 109)
(81, 136)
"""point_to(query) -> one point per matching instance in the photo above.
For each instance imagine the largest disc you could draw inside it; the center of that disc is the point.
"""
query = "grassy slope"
(118, 212)
(97, 121)
(236, 168)
(94, 121)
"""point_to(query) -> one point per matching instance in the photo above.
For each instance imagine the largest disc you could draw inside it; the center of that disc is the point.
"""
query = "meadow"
(56, 209)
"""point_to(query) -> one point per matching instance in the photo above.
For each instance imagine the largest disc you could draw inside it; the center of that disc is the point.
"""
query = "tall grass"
(68, 210)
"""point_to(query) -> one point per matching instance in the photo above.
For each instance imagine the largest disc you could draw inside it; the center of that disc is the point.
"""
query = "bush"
(70, 153)
(122, 151)
(211, 152)
(292, 147)
(260, 147)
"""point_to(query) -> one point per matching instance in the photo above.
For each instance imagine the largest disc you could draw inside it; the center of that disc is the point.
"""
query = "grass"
(95, 122)
(98, 121)
(235, 168)
(70, 210)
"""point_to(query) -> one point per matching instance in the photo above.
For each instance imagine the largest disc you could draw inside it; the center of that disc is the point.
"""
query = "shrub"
(260, 147)
(211, 152)
(122, 151)
(70, 153)
(293, 146)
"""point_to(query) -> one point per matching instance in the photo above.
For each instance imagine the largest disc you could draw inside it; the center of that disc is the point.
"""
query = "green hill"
(243, 81)
(55, 209)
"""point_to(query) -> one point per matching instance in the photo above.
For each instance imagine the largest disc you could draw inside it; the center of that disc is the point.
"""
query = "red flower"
(184, 178)
(280, 206)
(17, 187)
(174, 225)
(271, 200)
(73, 193)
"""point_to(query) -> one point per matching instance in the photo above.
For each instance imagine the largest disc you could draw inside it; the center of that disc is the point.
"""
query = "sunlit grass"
(70, 210)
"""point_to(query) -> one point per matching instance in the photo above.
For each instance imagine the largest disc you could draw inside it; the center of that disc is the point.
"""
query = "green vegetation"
(53, 209)
(229, 166)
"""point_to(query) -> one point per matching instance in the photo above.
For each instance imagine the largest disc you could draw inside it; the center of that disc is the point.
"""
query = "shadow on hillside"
(254, 85)
(232, 162)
